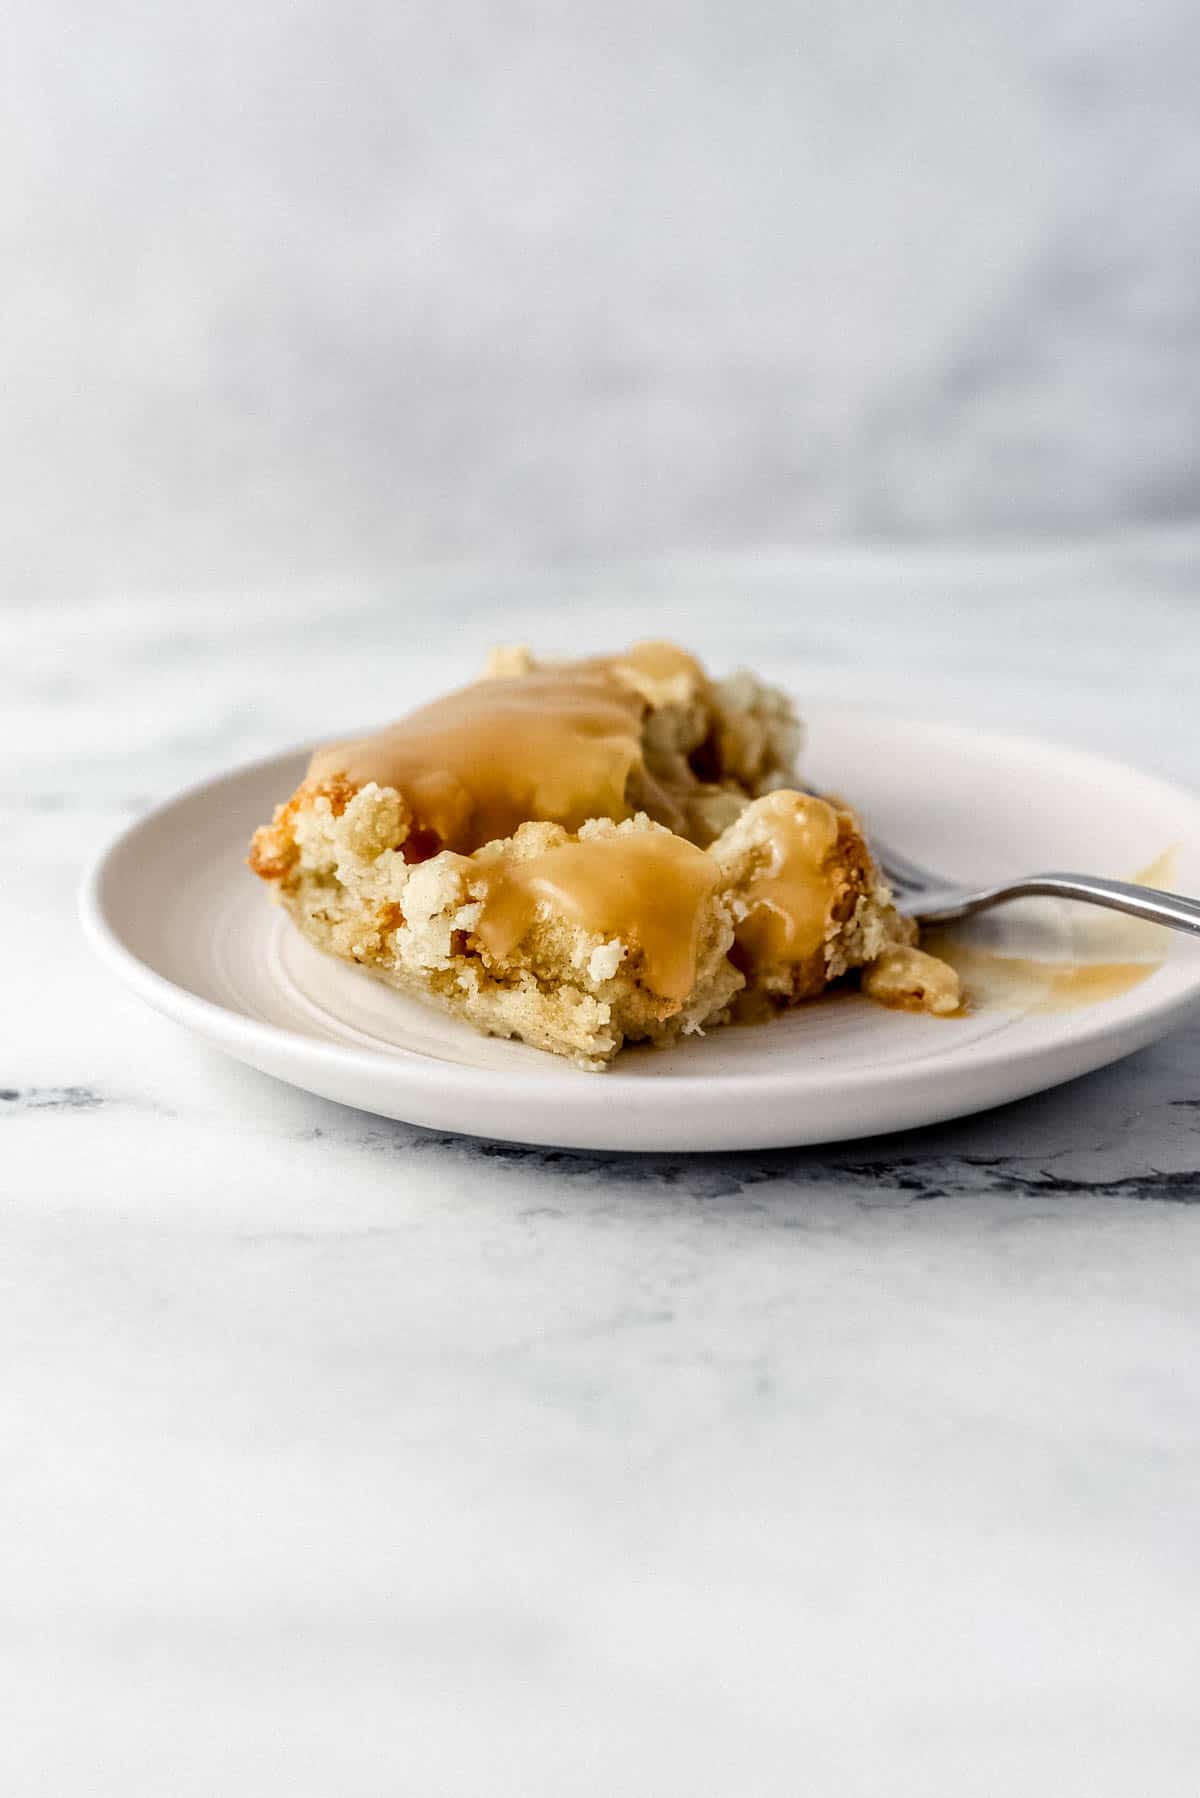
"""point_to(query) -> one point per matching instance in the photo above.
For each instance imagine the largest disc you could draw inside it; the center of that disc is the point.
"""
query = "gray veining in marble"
(341, 1457)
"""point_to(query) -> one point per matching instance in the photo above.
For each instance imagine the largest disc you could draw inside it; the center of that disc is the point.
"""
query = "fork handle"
(951, 903)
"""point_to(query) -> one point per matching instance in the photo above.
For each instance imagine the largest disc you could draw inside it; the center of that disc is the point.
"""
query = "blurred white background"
(308, 290)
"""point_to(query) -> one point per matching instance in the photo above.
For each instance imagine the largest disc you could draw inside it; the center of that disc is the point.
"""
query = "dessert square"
(593, 853)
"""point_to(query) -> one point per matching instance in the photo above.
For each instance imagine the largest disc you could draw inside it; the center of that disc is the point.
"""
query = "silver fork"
(931, 899)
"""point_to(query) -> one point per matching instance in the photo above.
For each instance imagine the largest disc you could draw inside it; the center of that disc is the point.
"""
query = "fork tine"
(903, 875)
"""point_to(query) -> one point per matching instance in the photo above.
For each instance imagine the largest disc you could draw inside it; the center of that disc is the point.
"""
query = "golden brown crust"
(273, 851)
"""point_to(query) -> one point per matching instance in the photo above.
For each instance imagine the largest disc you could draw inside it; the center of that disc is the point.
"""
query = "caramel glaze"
(788, 903)
(647, 888)
(1136, 950)
(556, 744)
(1023, 983)
(1161, 871)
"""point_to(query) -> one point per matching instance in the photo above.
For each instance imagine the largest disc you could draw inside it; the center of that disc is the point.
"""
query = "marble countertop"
(340, 1457)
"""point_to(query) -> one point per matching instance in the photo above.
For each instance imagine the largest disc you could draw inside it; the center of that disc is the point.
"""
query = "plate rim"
(1148, 1017)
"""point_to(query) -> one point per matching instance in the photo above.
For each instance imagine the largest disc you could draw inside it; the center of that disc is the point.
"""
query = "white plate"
(173, 909)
